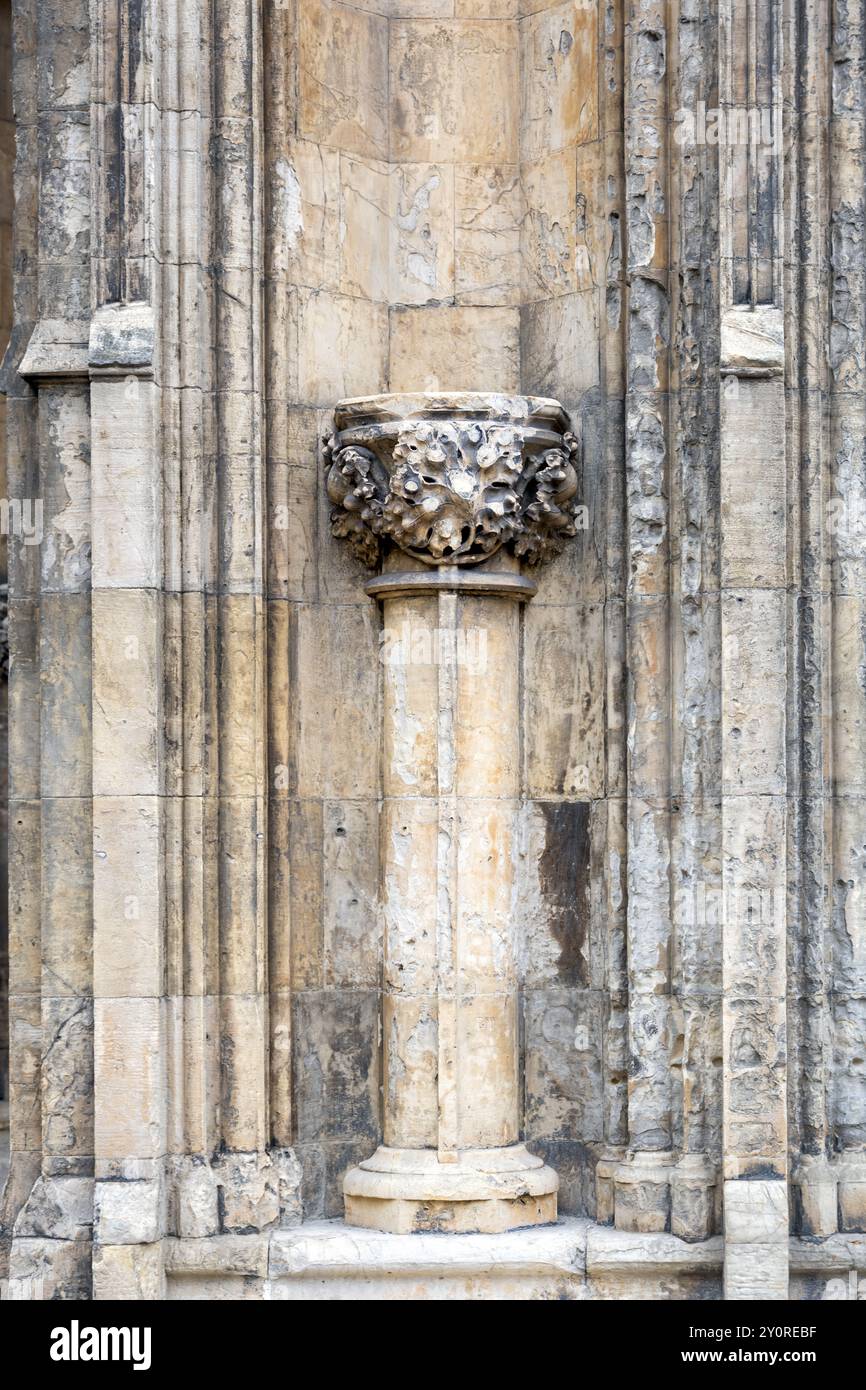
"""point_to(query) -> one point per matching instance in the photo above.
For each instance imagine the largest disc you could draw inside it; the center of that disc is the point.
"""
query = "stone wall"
(228, 217)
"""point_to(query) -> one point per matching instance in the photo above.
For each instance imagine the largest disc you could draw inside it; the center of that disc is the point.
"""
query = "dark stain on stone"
(564, 876)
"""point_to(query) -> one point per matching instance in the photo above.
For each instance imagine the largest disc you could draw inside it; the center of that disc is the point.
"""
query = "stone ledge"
(330, 1248)
(834, 1254)
(214, 1255)
(57, 351)
(625, 1252)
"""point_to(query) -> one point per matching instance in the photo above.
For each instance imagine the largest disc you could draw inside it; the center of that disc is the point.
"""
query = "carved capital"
(451, 478)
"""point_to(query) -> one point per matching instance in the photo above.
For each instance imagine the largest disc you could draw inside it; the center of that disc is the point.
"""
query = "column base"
(486, 1191)
(642, 1191)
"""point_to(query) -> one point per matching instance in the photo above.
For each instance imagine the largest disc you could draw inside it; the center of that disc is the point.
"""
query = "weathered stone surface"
(278, 876)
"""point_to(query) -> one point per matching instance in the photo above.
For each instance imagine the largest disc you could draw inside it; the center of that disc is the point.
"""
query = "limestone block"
(343, 86)
(549, 229)
(756, 1212)
(63, 192)
(25, 1058)
(128, 1272)
(24, 682)
(194, 1197)
(126, 686)
(225, 1254)
(365, 228)
(335, 1261)
(752, 344)
(65, 708)
(553, 884)
(241, 763)
(649, 1092)
(248, 1192)
(444, 349)
(289, 1173)
(337, 690)
(753, 696)
(241, 922)
(342, 346)
(756, 1272)
(258, 1191)
(564, 693)
(306, 968)
(410, 830)
(50, 1270)
(121, 335)
(438, 106)
(232, 1288)
(693, 1197)
(129, 1061)
(605, 1173)
(131, 1212)
(627, 1253)
(243, 1074)
(487, 948)
(411, 1064)
(487, 1073)
(67, 896)
(422, 233)
(754, 897)
(849, 1101)
(642, 1193)
(558, 78)
(482, 9)
(559, 347)
(200, 1071)
(336, 1071)
(753, 500)
(67, 1082)
(754, 1086)
(57, 1209)
(563, 1080)
(352, 928)
(486, 733)
(125, 481)
(127, 896)
(408, 651)
(291, 559)
(64, 525)
(488, 214)
(848, 940)
(852, 1193)
(814, 1190)
(849, 725)
(306, 210)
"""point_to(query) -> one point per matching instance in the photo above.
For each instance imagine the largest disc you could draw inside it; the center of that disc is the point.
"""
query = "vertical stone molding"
(448, 481)
(755, 810)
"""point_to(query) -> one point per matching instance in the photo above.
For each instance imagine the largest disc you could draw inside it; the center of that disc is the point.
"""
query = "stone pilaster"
(754, 668)
(754, 805)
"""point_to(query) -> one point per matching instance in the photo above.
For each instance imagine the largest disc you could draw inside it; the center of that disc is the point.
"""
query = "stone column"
(450, 481)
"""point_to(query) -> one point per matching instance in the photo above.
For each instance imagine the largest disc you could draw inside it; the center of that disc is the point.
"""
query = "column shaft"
(451, 1158)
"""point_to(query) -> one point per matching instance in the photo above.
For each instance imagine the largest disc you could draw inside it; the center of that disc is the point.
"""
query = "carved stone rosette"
(449, 480)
